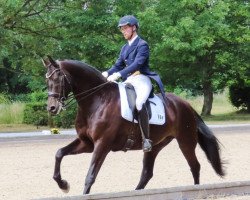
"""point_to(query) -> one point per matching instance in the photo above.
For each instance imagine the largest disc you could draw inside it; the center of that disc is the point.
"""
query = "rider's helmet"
(128, 20)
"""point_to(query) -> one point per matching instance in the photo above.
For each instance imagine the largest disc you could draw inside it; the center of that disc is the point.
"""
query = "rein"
(63, 98)
(90, 91)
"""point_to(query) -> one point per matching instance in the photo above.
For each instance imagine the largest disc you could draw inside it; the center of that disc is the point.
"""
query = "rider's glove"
(105, 74)
(114, 76)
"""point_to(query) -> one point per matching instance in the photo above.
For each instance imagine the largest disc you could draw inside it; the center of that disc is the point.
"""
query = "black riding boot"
(143, 120)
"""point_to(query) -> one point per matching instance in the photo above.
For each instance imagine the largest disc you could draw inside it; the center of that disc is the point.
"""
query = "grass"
(11, 115)
(11, 118)
(8, 128)
(222, 110)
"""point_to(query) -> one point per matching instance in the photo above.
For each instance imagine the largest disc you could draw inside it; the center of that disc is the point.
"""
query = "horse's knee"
(59, 155)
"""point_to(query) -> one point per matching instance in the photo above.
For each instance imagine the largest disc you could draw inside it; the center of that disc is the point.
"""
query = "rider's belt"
(136, 73)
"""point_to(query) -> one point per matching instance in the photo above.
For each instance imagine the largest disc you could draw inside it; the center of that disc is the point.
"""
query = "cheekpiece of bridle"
(61, 97)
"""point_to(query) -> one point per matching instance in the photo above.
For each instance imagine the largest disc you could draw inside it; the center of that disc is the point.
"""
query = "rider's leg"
(143, 87)
(143, 120)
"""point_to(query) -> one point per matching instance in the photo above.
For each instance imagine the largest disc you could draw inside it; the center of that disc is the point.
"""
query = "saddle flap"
(154, 105)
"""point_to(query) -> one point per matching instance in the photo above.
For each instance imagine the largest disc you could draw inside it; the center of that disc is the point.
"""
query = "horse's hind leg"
(188, 150)
(76, 147)
(148, 164)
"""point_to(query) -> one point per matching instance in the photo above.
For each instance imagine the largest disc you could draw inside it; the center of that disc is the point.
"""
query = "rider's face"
(127, 31)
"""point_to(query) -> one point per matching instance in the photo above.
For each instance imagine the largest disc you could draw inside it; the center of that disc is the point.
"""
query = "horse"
(101, 129)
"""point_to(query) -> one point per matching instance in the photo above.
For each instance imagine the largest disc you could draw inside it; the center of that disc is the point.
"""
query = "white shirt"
(132, 40)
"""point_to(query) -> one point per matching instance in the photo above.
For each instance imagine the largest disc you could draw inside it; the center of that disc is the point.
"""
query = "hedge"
(37, 114)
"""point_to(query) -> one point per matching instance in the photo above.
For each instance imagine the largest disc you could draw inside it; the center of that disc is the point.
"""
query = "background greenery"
(197, 47)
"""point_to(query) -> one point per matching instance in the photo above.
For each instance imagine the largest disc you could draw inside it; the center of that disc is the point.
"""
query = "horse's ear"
(53, 62)
(45, 62)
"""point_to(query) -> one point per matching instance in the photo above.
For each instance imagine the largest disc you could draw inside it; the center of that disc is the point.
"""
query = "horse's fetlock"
(57, 177)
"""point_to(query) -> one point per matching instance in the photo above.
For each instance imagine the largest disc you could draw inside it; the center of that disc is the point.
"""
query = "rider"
(133, 67)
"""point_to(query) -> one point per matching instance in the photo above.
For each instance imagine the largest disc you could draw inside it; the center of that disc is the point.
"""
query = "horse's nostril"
(52, 108)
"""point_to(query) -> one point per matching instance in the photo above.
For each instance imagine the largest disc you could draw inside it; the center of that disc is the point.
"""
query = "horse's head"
(58, 85)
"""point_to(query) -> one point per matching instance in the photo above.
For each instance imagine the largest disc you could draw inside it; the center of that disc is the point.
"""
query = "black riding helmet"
(128, 20)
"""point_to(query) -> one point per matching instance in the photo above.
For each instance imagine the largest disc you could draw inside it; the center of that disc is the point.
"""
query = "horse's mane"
(83, 66)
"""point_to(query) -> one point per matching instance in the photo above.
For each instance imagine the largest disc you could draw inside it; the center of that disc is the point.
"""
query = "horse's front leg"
(100, 152)
(76, 147)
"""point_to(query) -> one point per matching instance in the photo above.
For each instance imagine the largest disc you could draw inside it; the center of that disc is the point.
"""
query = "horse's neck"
(84, 82)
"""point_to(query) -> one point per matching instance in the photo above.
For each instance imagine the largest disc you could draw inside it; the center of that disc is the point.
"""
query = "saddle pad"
(157, 108)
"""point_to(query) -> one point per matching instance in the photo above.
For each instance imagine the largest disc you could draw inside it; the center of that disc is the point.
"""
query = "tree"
(199, 43)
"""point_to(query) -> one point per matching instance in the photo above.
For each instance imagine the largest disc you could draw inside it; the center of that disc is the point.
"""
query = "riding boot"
(143, 120)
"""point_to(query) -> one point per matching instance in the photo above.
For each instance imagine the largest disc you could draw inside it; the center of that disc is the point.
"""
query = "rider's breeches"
(143, 87)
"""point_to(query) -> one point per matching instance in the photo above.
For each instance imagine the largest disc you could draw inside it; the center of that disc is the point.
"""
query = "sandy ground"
(26, 168)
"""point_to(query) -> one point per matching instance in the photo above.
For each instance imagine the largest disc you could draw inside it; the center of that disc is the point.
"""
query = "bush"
(4, 99)
(36, 113)
(239, 94)
(66, 118)
(39, 96)
(19, 98)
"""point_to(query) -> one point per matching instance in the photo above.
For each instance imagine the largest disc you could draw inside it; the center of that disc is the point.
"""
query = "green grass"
(222, 110)
(7, 128)
(11, 113)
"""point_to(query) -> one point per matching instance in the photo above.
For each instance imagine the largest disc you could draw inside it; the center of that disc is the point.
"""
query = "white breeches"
(143, 87)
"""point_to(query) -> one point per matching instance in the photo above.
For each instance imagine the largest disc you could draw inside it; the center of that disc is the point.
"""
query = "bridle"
(61, 97)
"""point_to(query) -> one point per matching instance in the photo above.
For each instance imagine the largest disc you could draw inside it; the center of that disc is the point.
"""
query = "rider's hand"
(105, 74)
(114, 76)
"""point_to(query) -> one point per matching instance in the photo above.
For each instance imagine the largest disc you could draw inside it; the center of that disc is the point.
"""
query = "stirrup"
(147, 145)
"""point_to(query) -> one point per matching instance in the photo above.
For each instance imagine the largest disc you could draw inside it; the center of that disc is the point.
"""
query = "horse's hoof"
(65, 186)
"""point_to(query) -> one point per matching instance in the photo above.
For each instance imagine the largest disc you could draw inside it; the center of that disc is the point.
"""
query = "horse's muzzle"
(54, 107)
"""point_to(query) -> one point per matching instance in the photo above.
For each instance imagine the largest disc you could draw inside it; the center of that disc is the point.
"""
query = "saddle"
(154, 105)
(131, 96)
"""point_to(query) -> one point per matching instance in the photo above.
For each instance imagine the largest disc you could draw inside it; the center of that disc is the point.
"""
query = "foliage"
(198, 46)
(36, 113)
(239, 94)
(66, 118)
(4, 98)
(38, 96)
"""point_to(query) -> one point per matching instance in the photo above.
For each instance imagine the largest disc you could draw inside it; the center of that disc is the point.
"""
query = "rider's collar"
(132, 40)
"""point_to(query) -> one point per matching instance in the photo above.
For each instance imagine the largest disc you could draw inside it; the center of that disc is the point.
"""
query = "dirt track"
(27, 168)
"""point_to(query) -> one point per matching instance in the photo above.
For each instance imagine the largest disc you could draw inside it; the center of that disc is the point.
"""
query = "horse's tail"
(210, 145)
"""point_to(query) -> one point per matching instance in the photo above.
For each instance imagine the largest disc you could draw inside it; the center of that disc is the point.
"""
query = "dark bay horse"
(101, 129)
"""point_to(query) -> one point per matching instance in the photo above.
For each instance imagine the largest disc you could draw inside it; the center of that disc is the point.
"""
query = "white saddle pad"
(157, 108)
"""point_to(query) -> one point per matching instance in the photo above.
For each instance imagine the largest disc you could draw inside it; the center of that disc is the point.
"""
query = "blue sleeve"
(140, 59)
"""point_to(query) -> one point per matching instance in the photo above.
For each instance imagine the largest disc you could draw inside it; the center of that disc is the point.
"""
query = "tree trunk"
(208, 98)
(207, 65)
